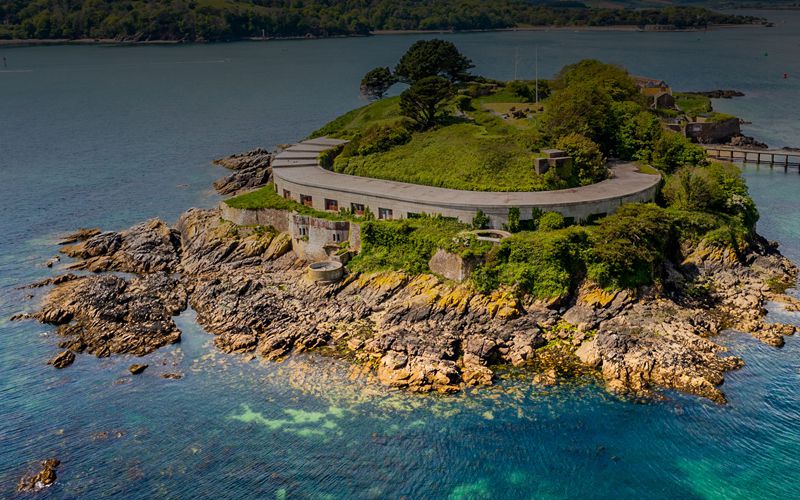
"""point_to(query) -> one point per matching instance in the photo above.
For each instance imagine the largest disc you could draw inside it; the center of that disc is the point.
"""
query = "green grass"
(383, 112)
(460, 156)
(720, 117)
(693, 105)
(266, 197)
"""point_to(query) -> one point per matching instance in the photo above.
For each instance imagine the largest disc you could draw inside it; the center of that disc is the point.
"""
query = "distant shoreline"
(111, 41)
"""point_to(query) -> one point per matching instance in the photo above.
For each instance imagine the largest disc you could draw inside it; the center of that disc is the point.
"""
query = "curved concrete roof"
(625, 180)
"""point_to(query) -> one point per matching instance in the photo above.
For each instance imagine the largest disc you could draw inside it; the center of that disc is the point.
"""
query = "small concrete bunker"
(325, 271)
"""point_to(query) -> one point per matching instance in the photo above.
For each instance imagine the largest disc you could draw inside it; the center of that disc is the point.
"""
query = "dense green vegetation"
(627, 249)
(192, 20)
(485, 137)
(479, 134)
(692, 104)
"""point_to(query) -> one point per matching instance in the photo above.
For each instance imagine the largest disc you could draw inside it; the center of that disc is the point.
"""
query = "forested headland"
(221, 20)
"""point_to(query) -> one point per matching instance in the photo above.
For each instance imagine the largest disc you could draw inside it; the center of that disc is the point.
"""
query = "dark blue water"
(108, 136)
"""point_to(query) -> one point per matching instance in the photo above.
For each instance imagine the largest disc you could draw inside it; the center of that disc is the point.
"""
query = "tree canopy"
(376, 82)
(236, 19)
(433, 58)
(423, 100)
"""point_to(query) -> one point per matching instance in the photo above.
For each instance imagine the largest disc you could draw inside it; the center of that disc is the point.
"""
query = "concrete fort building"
(298, 176)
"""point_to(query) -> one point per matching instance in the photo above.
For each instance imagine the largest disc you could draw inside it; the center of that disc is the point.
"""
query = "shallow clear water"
(108, 136)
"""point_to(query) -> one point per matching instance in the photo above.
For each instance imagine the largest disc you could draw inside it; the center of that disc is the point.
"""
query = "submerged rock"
(62, 359)
(45, 477)
(79, 235)
(136, 368)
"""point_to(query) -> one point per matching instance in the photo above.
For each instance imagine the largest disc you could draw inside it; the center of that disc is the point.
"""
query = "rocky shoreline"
(415, 332)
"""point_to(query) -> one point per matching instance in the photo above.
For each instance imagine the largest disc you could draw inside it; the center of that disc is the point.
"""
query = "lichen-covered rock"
(416, 332)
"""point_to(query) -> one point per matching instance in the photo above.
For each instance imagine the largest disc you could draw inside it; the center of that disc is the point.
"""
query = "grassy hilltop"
(475, 149)
(468, 137)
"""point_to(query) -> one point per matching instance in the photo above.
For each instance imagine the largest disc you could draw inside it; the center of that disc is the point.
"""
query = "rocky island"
(429, 301)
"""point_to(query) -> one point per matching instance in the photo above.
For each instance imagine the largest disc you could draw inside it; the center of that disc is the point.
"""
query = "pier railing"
(781, 157)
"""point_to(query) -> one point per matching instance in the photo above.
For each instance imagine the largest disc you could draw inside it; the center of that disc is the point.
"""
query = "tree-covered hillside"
(193, 20)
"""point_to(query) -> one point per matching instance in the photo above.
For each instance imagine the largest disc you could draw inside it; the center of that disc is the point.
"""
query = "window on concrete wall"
(413, 215)
(302, 230)
(384, 213)
(357, 208)
(331, 205)
(306, 200)
(287, 194)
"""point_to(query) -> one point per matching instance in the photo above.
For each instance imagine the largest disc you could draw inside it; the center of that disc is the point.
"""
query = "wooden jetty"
(772, 157)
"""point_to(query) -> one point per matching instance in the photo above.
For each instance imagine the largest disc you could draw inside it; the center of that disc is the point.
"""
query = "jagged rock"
(136, 368)
(746, 142)
(62, 359)
(242, 180)
(172, 376)
(107, 314)
(63, 278)
(52, 261)
(418, 333)
(42, 479)
(145, 248)
(209, 243)
(719, 94)
(257, 158)
(79, 235)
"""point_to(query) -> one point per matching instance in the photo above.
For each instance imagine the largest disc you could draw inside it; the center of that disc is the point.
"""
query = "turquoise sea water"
(108, 136)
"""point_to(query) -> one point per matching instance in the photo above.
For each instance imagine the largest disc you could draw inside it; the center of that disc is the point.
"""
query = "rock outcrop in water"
(415, 332)
(45, 477)
(251, 170)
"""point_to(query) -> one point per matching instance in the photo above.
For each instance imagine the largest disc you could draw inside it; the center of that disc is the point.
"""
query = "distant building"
(658, 91)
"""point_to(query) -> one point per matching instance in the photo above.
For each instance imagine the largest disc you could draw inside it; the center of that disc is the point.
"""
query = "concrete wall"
(313, 239)
(452, 266)
(279, 219)
(316, 239)
(713, 132)
(498, 215)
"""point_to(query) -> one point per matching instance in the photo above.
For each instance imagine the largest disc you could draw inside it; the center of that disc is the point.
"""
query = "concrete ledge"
(400, 200)
(325, 271)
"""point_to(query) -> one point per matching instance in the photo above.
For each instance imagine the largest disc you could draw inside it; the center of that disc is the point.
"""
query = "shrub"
(464, 103)
(542, 264)
(521, 90)
(481, 220)
(380, 138)
(691, 189)
(512, 226)
(672, 151)
(550, 221)
(589, 165)
(628, 248)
